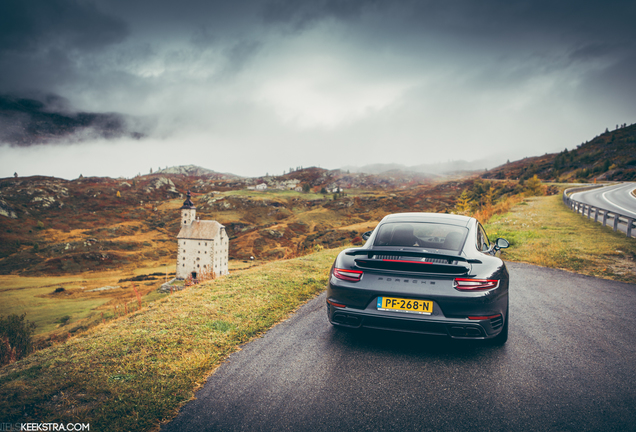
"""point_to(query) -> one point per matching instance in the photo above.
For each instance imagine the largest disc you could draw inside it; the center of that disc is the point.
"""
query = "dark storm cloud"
(55, 35)
(302, 13)
(284, 77)
(497, 18)
(38, 39)
(555, 34)
(28, 25)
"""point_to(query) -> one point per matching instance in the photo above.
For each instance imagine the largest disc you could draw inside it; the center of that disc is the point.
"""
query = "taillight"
(333, 303)
(464, 284)
(348, 275)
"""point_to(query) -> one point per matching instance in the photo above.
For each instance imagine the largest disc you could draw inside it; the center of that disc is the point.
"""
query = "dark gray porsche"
(428, 273)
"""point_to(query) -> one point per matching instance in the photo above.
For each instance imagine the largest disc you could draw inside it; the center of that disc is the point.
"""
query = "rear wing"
(403, 255)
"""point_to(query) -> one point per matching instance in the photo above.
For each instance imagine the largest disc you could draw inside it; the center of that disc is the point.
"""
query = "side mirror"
(366, 235)
(501, 243)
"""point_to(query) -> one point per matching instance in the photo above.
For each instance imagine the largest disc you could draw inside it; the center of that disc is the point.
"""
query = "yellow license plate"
(405, 305)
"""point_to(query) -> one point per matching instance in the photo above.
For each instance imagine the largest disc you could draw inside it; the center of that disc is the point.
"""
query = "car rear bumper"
(438, 325)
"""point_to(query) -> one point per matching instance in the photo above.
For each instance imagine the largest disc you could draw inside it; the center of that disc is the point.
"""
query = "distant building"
(262, 186)
(203, 245)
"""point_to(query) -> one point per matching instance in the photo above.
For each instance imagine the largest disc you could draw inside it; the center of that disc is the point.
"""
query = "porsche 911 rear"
(406, 285)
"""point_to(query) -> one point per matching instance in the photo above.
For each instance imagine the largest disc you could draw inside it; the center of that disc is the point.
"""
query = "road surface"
(569, 365)
(616, 198)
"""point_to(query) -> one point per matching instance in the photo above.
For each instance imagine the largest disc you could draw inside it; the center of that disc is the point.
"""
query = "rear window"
(423, 235)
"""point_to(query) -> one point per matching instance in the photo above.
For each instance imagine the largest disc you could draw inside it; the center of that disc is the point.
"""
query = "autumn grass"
(47, 312)
(32, 295)
(134, 372)
(272, 193)
(81, 307)
(503, 206)
(543, 231)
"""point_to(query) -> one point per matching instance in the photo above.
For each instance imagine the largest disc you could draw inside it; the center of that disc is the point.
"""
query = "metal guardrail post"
(596, 214)
(630, 222)
(604, 217)
(616, 222)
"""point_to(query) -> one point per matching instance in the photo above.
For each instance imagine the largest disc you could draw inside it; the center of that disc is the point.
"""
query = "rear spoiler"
(402, 253)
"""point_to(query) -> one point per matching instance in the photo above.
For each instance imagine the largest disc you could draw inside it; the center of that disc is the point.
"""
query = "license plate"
(405, 305)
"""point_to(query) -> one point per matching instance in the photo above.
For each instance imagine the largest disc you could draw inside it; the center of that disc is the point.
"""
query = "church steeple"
(188, 211)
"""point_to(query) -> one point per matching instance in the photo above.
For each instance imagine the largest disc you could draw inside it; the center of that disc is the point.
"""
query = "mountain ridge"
(609, 156)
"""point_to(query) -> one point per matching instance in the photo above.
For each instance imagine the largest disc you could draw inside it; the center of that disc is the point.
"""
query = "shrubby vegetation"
(15, 338)
(484, 198)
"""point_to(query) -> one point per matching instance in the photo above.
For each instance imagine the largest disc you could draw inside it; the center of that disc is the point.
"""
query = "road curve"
(616, 198)
(569, 365)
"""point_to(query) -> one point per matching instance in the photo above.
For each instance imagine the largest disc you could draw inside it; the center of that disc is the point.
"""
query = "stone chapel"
(203, 245)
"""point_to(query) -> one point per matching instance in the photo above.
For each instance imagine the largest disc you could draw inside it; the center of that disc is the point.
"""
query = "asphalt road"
(616, 198)
(569, 365)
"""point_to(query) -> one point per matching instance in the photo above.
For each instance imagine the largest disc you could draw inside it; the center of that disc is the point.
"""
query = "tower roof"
(188, 204)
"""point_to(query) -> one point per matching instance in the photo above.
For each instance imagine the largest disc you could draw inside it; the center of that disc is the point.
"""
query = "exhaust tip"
(346, 319)
(465, 331)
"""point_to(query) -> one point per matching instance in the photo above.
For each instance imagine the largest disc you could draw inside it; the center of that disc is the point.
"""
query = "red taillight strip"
(465, 284)
(483, 317)
(348, 275)
(333, 303)
(405, 261)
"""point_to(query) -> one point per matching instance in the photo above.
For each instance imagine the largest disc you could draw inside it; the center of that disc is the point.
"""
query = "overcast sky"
(251, 87)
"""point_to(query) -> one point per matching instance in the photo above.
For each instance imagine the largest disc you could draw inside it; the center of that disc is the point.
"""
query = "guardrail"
(604, 214)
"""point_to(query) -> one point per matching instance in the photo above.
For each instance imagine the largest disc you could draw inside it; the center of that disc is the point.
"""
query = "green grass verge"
(134, 372)
(46, 312)
(543, 231)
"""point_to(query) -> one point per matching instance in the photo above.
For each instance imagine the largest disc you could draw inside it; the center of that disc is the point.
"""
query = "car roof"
(450, 219)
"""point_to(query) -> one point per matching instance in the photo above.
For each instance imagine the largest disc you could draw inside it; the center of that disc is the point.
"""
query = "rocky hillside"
(196, 171)
(53, 226)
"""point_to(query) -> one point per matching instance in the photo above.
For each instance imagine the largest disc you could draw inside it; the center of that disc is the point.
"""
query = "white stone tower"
(203, 246)
(188, 211)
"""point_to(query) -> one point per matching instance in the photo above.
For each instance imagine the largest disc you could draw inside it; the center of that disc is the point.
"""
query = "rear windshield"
(423, 235)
